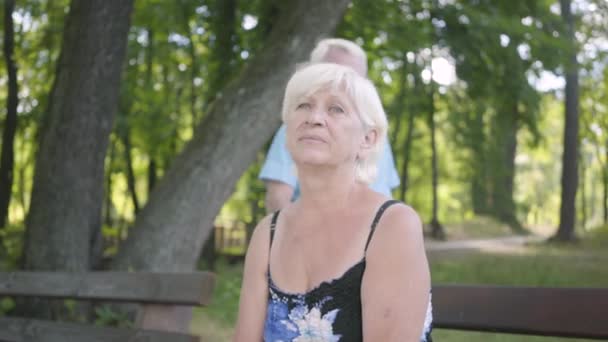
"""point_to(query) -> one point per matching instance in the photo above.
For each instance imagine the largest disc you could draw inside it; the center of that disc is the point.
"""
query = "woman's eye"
(303, 105)
(336, 109)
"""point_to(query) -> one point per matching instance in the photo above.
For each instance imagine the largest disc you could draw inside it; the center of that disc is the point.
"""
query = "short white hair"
(311, 78)
(320, 51)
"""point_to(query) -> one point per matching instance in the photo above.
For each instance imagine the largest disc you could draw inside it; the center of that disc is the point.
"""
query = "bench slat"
(29, 330)
(565, 312)
(193, 288)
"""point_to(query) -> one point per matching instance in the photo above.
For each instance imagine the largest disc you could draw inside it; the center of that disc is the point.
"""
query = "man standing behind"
(278, 169)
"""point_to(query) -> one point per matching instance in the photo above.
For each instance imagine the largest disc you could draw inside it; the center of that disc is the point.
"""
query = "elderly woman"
(343, 262)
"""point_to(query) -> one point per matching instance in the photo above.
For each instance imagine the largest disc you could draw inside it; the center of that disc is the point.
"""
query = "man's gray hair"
(320, 51)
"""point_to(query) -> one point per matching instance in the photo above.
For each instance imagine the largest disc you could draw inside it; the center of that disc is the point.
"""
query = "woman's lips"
(311, 137)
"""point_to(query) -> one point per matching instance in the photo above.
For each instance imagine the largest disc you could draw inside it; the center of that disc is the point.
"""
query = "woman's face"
(324, 129)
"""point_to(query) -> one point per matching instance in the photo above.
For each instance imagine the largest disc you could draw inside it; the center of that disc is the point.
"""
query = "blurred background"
(498, 122)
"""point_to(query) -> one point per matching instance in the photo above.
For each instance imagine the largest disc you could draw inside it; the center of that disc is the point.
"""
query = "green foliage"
(70, 310)
(246, 204)
(12, 245)
(224, 306)
(596, 238)
(171, 77)
(38, 28)
(462, 336)
(6, 305)
(541, 267)
(106, 316)
(497, 49)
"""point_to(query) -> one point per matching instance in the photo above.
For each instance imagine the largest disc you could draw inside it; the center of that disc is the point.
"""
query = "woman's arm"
(254, 290)
(396, 283)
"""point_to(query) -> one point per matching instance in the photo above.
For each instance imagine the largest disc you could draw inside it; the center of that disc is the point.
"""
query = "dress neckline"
(322, 284)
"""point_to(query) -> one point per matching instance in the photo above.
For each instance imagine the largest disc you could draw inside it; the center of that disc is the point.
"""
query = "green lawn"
(583, 264)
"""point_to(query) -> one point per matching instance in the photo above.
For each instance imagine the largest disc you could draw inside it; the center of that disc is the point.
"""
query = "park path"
(507, 244)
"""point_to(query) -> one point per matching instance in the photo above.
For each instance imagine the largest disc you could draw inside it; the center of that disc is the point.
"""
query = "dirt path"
(508, 244)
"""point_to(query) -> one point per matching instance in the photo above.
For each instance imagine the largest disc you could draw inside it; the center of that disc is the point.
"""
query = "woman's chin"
(311, 160)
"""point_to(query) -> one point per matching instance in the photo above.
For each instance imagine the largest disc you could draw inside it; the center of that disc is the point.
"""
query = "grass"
(216, 321)
(582, 264)
(477, 227)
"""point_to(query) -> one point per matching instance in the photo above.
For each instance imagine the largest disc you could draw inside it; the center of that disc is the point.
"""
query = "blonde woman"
(277, 171)
(342, 262)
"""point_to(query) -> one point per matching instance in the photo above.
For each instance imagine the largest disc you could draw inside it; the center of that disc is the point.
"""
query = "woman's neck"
(327, 189)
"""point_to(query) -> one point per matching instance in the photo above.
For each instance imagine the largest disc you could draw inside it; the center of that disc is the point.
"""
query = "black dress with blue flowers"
(329, 312)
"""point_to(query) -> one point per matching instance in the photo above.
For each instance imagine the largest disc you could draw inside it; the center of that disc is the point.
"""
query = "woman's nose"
(316, 117)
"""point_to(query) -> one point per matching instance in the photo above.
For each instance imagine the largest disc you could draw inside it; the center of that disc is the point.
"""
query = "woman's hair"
(322, 49)
(310, 78)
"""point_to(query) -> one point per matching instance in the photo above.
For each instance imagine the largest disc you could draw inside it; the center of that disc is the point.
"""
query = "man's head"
(340, 51)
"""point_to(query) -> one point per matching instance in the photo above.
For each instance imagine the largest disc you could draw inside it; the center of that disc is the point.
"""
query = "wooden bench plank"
(29, 330)
(566, 312)
(193, 288)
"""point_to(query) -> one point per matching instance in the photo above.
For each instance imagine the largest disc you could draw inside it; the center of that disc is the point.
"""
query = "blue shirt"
(280, 167)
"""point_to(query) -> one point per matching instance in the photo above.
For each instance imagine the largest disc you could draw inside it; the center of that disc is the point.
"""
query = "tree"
(170, 230)
(437, 230)
(7, 156)
(67, 193)
(410, 112)
(222, 47)
(224, 24)
(569, 181)
(504, 102)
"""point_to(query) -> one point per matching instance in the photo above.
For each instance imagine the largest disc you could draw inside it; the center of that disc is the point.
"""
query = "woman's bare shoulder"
(399, 222)
(401, 213)
(261, 232)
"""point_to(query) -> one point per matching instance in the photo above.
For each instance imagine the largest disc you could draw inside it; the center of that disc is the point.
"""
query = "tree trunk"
(131, 182)
(409, 137)
(398, 106)
(172, 227)
(187, 11)
(224, 26)
(99, 242)
(605, 183)
(583, 204)
(67, 191)
(569, 180)
(22, 187)
(107, 208)
(7, 159)
(505, 134)
(222, 49)
(397, 112)
(479, 178)
(605, 197)
(152, 175)
(437, 230)
(149, 85)
(208, 253)
(269, 13)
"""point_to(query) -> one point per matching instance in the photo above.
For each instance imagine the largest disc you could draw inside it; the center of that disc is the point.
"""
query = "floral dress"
(329, 312)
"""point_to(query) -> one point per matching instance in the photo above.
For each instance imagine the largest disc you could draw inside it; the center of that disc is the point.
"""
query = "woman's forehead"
(331, 91)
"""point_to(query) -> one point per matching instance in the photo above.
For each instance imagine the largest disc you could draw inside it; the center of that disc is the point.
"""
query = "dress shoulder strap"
(273, 226)
(379, 213)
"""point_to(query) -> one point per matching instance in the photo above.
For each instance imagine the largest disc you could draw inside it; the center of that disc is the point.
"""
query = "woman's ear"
(369, 141)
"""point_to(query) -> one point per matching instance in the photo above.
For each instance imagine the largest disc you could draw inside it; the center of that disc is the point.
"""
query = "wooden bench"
(162, 295)
(558, 312)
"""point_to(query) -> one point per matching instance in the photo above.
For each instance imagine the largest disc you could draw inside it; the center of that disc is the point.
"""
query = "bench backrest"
(563, 312)
(163, 295)
(139, 287)
(31, 330)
